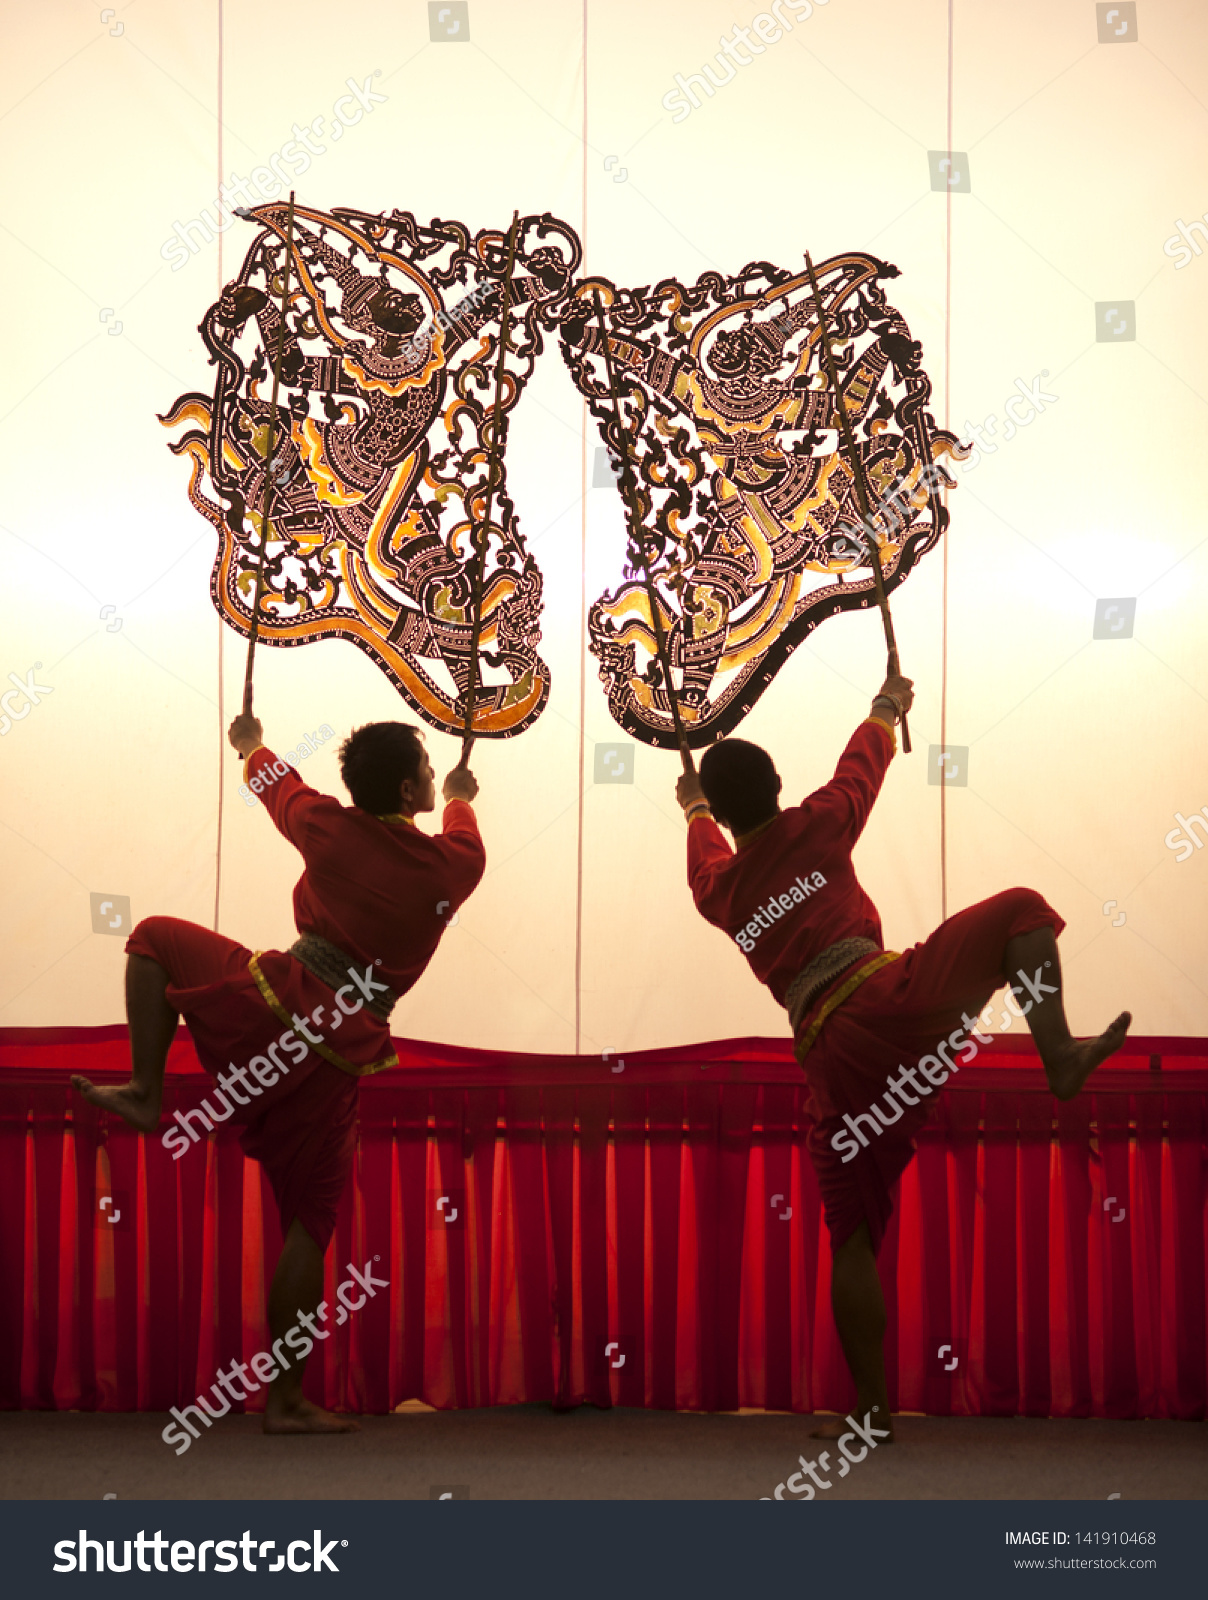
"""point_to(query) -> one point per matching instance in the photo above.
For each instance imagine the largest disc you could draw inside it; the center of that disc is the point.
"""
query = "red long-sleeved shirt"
(800, 866)
(377, 889)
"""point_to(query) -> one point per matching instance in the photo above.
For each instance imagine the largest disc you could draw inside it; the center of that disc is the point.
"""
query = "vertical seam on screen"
(582, 599)
(948, 529)
(221, 707)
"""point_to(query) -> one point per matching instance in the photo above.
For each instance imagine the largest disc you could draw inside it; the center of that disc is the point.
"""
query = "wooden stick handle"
(630, 492)
(861, 488)
(479, 541)
(265, 510)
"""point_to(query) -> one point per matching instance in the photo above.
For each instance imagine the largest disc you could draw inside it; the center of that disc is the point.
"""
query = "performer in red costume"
(873, 1029)
(292, 1031)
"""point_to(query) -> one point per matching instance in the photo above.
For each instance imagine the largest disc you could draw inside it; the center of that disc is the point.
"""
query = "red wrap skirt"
(302, 1130)
(898, 1015)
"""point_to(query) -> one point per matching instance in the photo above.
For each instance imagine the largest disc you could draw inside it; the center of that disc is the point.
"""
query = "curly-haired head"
(741, 784)
(375, 762)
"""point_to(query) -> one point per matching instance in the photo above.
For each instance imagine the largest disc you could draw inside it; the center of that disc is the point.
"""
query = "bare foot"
(1068, 1068)
(139, 1107)
(300, 1416)
(836, 1427)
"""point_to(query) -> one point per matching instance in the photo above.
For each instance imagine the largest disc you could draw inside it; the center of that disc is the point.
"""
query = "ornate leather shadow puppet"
(379, 475)
(752, 527)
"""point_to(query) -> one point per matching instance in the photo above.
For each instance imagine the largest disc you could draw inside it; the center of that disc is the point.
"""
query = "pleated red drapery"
(645, 1235)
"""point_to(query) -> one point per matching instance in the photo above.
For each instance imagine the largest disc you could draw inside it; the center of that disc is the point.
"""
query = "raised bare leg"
(152, 1023)
(1068, 1062)
(297, 1289)
(859, 1308)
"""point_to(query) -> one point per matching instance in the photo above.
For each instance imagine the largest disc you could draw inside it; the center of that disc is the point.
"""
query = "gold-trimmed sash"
(837, 996)
(270, 999)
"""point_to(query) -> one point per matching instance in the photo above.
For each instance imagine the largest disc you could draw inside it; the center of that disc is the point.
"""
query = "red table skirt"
(645, 1234)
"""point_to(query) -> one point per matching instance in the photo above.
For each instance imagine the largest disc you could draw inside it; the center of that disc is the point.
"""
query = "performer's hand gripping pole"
(629, 489)
(481, 539)
(861, 487)
(265, 519)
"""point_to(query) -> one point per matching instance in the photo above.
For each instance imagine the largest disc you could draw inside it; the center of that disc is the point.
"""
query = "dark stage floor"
(532, 1453)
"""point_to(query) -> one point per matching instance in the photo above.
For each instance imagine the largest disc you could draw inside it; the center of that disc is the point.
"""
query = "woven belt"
(329, 963)
(821, 973)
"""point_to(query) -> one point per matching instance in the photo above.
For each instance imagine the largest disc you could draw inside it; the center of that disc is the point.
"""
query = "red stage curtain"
(645, 1234)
